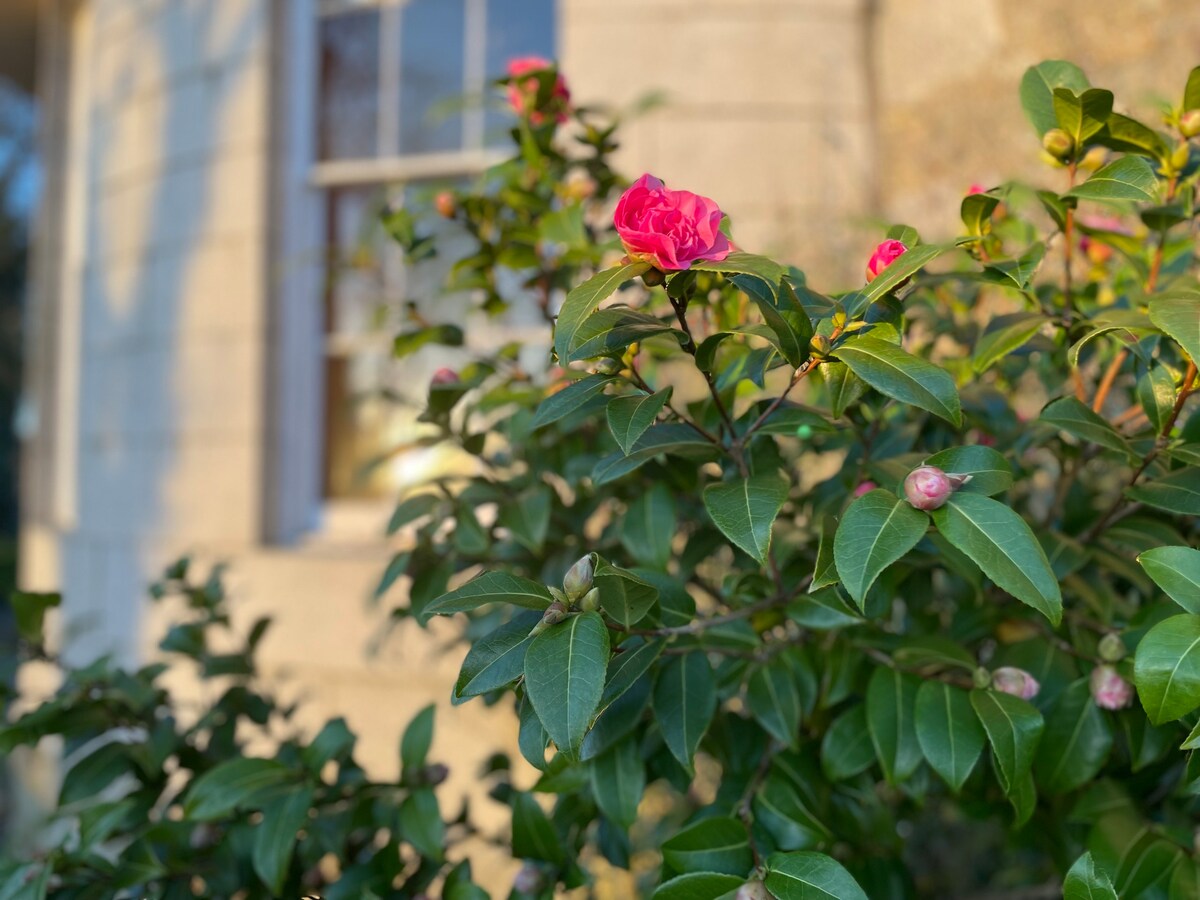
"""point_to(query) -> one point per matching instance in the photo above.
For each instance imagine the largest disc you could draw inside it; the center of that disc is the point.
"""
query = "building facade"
(198, 357)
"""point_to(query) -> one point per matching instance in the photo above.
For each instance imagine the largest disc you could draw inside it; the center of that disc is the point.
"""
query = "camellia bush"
(884, 593)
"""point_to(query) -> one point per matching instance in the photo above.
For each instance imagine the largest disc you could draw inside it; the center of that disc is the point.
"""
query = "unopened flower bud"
(865, 488)
(1112, 648)
(653, 277)
(752, 890)
(445, 204)
(435, 774)
(885, 254)
(1018, 682)
(590, 601)
(555, 613)
(1180, 156)
(608, 366)
(927, 487)
(578, 580)
(529, 880)
(1093, 159)
(1189, 123)
(819, 346)
(981, 678)
(1058, 143)
(1109, 689)
(976, 188)
(444, 376)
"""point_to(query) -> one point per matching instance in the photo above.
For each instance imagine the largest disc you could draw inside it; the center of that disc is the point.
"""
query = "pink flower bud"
(865, 488)
(885, 254)
(444, 376)
(1189, 123)
(976, 188)
(445, 204)
(1110, 690)
(523, 91)
(928, 487)
(1018, 682)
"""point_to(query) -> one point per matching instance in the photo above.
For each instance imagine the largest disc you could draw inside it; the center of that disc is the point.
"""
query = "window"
(403, 108)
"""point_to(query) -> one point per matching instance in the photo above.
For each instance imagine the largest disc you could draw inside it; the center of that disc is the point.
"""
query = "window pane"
(349, 89)
(515, 28)
(431, 78)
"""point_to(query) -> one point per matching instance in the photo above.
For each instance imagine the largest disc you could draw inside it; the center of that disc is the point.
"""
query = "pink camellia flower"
(1018, 682)
(444, 375)
(976, 188)
(671, 229)
(928, 487)
(1110, 690)
(523, 92)
(885, 254)
(865, 488)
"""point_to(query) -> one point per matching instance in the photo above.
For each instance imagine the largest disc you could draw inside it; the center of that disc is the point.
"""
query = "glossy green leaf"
(1076, 418)
(1081, 114)
(1037, 90)
(788, 321)
(1191, 91)
(899, 271)
(623, 596)
(1014, 729)
(416, 740)
(1129, 178)
(745, 509)
(490, 587)
(632, 660)
(948, 731)
(877, 530)
(1177, 571)
(649, 525)
(564, 402)
(412, 509)
(1004, 335)
(497, 659)
(607, 332)
(716, 844)
(741, 263)
(685, 699)
(842, 386)
(786, 816)
(989, 470)
(806, 875)
(1167, 668)
(902, 376)
(1003, 546)
(533, 834)
(618, 781)
(891, 708)
(1178, 492)
(410, 342)
(1017, 273)
(582, 301)
(240, 782)
(976, 210)
(774, 700)
(698, 886)
(1156, 393)
(1086, 882)
(527, 516)
(669, 438)
(1178, 314)
(564, 677)
(1131, 136)
(275, 837)
(1076, 742)
(629, 417)
(846, 748)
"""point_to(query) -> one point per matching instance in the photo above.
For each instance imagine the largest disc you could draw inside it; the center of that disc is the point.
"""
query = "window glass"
(349, 85)
(515, 28)
(432, 59)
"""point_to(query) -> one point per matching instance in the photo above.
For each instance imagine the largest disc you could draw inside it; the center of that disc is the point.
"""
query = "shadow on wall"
(172, 300)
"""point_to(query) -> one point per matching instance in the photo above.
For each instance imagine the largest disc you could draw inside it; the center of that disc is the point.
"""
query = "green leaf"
(1004, 335)
(562, 403)
(334, 741)
(527, 516)
(825, 571)
(416, 741)
(1076, 418)
(806, 875)
(902, 376)
(1014, 729)
(411, 341)
(1178, 492)
(649, 525)
(1177, 571)
(497, 659)
(666, 438)
(744, 510)
(629, 417)
(1083, 114)
(1178, 314)
(275, 837)
(842, 385)
(976, 210)
(582, 301)
(891, 702)
(532, 739)
(29, 611)
(788, 321)
(899, 271)
(624, 596)
(1156, 393)
(1037, 90)
(609, 331)
(627, 666)
(1166, 668)
(1016, 272)
(877, 530)
(1129, 178)
(774, 700)
(1191, 91)
(989, 470)
(685, 699)
(742, 263)
(698, 886)
(1076, 742)
(846, 749)
(239, 782)
(1002, 545)
(618, 780)
(490, 587)
(948, 731)
(1086, 882)
(717, 844)
(564, 677)
(533, 835)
